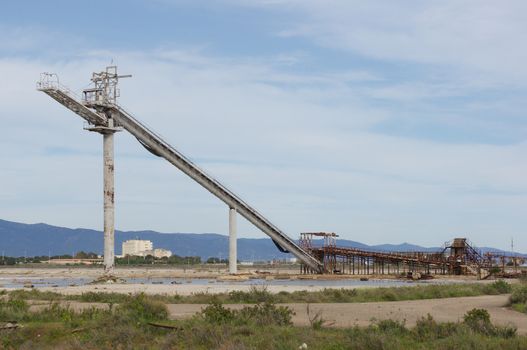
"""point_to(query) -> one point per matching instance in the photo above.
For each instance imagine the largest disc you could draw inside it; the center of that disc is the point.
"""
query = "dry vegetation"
(260, 294)
(141, 322)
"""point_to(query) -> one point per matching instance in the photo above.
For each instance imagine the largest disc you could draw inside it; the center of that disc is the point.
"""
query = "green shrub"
(478, 320)
(426, 328)
(217, 314)
(13, 309)
(498, 287)
(520, 307)
(518, 298)
(34, 294)
(392, 326)
(265, 314)
(505, 332)
(519, 295)
(494, 270)
(389, 295)
(256, 294)
(96, 297)
(142, 309)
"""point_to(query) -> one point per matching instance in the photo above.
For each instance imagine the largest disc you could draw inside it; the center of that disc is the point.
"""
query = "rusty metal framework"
(327, 257)
(456, 257)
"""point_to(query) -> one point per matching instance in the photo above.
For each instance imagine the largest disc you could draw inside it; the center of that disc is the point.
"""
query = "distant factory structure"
(140, 247)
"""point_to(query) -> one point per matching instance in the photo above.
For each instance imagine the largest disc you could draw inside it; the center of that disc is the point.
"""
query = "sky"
(382, 121)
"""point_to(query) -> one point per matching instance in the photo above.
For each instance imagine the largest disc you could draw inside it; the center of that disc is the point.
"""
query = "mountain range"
(19, 239)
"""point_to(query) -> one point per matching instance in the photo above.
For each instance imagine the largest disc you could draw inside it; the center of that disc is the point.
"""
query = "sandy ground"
(211, 271)
(184, 276)
(189, 289)
(178, 272)
(361, 314)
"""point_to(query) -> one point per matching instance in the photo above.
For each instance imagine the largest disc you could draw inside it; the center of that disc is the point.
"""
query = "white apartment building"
(135, 246)
(156, 253)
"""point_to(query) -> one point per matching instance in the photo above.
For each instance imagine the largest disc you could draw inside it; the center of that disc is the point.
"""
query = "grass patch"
(266, 314)
(142, 309)
(261, 326)
(260, 294)
(518, 298)
(35, 294)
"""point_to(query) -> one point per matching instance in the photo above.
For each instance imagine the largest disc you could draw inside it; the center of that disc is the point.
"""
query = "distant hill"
(18, 239)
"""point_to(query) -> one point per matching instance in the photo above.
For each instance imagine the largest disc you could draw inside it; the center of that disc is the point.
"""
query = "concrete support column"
(109, 223)
(233, 256)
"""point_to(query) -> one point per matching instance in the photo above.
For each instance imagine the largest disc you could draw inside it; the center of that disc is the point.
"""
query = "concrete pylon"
(108, 193)
(109, 205)
(233, 254)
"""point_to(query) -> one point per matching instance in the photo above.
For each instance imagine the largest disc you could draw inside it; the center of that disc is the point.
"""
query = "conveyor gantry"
(98, 113)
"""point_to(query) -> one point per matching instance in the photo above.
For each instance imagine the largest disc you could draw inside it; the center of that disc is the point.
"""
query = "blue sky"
(383, 122)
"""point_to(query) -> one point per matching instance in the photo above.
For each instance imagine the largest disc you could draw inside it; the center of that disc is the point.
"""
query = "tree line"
(127, 260)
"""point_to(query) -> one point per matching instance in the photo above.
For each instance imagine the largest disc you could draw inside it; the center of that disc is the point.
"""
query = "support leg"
(233, 256)
(109, 228)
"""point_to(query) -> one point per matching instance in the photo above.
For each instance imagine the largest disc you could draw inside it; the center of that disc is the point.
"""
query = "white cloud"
(469, 36)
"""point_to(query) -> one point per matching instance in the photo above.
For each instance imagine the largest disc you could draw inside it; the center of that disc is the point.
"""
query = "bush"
(392, 326)
(13, 309)
(142, 309)
(519, 295)
(520, 308)
(217, 314)
(498, 287)
(478, 320)
(494, 270)
(477, 317)
(34, 294)
(427, 328)
(95, 297)
(265, 314)
(518, 298)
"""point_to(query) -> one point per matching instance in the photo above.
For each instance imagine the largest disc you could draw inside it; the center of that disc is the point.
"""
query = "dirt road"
(361, 314)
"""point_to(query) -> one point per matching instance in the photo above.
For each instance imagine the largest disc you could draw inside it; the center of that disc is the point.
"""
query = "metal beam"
(159, 147)
(155, 144)
(75, 106)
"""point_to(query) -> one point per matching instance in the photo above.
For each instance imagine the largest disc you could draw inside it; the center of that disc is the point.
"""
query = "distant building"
(135, 246)
(73, 261)
(283, 261)
(139, 247)
(156, 253)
